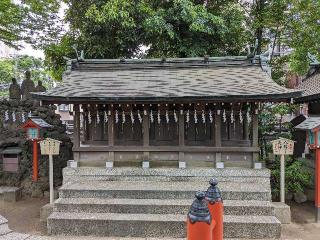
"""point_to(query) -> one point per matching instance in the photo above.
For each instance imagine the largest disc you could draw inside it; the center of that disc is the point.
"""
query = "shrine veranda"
(199, 110)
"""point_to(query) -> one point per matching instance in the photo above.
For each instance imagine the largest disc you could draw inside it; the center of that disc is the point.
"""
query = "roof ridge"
(164, 62)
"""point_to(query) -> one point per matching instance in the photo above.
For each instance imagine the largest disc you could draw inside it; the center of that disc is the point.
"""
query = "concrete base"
(282, 212)
(317, 209)
(11, 194)
(45, 211)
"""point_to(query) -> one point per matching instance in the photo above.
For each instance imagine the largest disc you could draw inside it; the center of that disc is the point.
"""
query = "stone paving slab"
(131, 171)
(3, 220)
(162, 186)
(4, 229)
(166, 175)
(119, 217)
(4, 189)
(156, 206)
(168, 202)
(15, 236)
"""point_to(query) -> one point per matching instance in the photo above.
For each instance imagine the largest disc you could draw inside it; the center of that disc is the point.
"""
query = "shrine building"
(201, 111)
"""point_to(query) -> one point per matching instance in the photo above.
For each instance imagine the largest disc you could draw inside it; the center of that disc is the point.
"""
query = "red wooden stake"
(317, 185)
(216, 211)
(35, 161)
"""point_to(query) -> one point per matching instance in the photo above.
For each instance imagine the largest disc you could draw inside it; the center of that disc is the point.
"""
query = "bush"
(297, 176)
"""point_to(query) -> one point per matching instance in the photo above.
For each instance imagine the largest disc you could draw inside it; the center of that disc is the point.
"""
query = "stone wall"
(11, 135)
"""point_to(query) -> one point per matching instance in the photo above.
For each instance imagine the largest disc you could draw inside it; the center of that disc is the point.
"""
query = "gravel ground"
(23, 217)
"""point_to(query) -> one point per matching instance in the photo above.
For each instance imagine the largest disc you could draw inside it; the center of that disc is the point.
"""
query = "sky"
(29, 50)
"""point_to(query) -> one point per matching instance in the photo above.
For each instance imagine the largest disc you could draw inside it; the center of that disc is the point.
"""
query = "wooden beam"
(145, 134)
(76, 130)
(181, 135)
(255, 135)
(217, 135)
(86, 123)
(166, 149)
(111, 135)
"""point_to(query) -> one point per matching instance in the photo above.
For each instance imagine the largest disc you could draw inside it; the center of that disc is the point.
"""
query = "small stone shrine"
(27, 86)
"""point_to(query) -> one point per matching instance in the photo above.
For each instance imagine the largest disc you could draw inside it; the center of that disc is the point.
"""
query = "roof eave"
(283, 97)
(307, 98)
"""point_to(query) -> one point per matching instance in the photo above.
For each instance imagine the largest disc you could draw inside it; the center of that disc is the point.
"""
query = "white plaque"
(220, 165)
(109, 164)
(182, 165)
(145, 164)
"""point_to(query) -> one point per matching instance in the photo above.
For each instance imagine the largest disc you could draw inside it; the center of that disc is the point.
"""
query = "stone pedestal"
(11, 194)
(282, 212)
(45, 211)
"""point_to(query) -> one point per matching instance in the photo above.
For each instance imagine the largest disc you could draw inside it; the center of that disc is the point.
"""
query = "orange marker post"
(35, 161)
(215, 204)
(199, 222)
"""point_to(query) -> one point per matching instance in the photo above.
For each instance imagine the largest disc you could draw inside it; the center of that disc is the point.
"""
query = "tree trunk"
(259, 8)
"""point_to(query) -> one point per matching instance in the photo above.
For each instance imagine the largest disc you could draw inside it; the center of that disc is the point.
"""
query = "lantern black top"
(213, 193)
(199, 211)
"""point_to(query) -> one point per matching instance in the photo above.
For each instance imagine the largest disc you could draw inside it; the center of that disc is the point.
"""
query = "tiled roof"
(173, 79)
(12, 150)
(309, 124)
(310, 85)
(40, 122)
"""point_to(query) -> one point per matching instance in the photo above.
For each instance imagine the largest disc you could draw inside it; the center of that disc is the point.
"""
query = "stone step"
(166, 174)
(155, 225)
(156, 206)
(4, 229)
(161, 190)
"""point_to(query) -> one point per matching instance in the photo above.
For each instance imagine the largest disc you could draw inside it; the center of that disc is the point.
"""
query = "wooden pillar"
(245, 128)
(111, 134)
(181, 135)
(145, 134)
(255, 136)
(86, 124)
(76, 131)
(217, 136)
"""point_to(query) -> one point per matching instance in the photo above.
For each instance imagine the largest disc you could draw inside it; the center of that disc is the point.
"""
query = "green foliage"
(271, 124)
(278, 69)
(303, 27)
(34, 21)
(297, 176)
(290, 23)
(149, 28)
(55, 53)
(6, 71)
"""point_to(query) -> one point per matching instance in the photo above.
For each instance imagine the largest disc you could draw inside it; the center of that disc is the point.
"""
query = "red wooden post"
(35, 161)
(199, 221)
(215, 205)
(317, 185)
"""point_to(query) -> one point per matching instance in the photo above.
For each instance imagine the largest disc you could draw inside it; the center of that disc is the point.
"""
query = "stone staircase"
(154, 202)
(4, 228)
